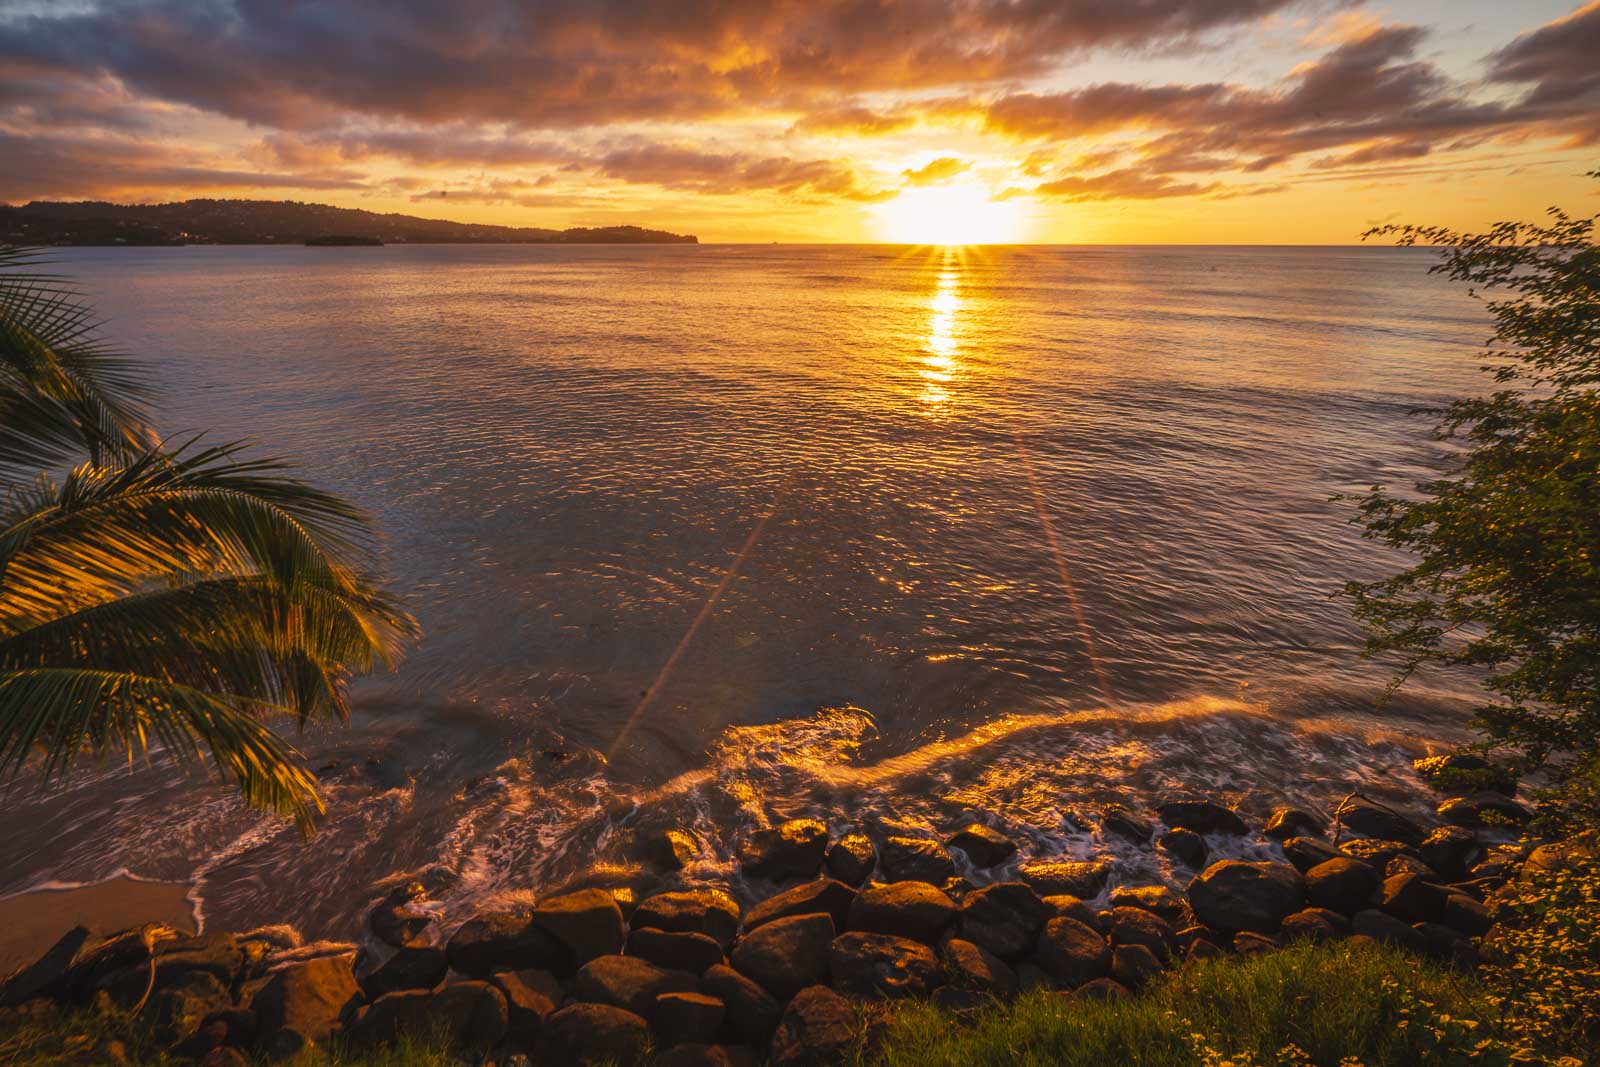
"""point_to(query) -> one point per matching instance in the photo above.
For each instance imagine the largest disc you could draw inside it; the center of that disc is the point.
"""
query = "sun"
(948, 215)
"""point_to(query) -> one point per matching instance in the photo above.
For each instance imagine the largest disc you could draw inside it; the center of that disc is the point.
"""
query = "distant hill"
(234, 222)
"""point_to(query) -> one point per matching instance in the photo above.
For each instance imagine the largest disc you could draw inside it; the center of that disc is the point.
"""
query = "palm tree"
(162, 603)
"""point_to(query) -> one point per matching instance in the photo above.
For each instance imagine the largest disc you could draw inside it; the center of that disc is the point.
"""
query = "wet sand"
(31, 922)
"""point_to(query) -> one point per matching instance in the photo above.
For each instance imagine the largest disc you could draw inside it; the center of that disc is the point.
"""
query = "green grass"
(1334, 1005)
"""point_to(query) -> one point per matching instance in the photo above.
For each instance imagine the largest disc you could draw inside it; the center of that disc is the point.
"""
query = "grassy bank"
(1340, 1004)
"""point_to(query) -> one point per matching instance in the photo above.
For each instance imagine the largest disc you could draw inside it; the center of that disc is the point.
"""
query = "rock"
(1294, 822)
(1102, 989)
(1412, 899)
(793, 849)
(278, 938)
(1070, 907)
(965, 1004)
(1484, 809)
(674, 951)
(881, 965)
(669, 849)
(1188, 847)
(1440, 942)
(625, 884)
(411, 967)
(218, 955)
(827, 896)
(627, 982)
(903, 909)
(1072, 953)
(239, 1026)
(1118, 820)
(1375, 851)
(47, 974)
(1066, 877)
(1152, 898)
(503, 941)
(394, 920)
(593, 1033)
(786, 955)
(1466, 915)
(696, 911)
(588, 922)
(1368, 817)
(1004, 918)
(982, 844)
(1451, 850)
(1201, 816)
(1344, 885)
(686, 1017)
(384, 1020)
(852, 858)
(1315, 924)
(111, 959)
(179, 1007)
(698, 1055)
(1031, 976)
(531, 998)
(818, 1028)
(303, 1004)
(971, 966)
(1460, 771)
(1202, 949)
(916, 859)
(1306, 852)
(1246, 943)
(1134, 965)
(1135, 926)
(1387, 929)
(471, 1015)
(1233, 895)
(752, 1012)
(1407, 864)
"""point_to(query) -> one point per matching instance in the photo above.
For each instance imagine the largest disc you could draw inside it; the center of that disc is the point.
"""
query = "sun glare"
(948, 215)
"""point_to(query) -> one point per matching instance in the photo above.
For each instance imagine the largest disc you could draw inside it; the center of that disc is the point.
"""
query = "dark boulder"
(387, 1018)
(1072, 953)
(667, 848)
(971, 966)
(983, 845)
(470, 1015)
(1451, 850)
(1375, 851)
(589, 923)
(1344, 885)
(818, 1028)
(503, 941)
(1102, 989)
(1233, 895)
(696, 911)
(1135, 926)
(1314, 924)
(1152, 898)
(1368, 817)
(593, 1033)
(1459, 772)
(531, 998)
(1201, 816)
(1134, 965)
(1412, 898)
(674, 951)
(411, 967)
(627, 982)
(786, 955)
(752, 1012)
(680, 1018)
(1071, 907)
(46, 975)
(1085, 879)
(302, 1005)
(826, 896)
(880, 965)
(852, 858)
(903, 909)
(793, 849)
(179, 1006)
(1386, 928)
(1122, 822)
(395, 920)
(1466, 915)
(1409, 864)
(916, 859)
(1294, 822)
(1306, 852)
(1186, 846)
(1004, 918)
(1484, 809)
(1248, 943)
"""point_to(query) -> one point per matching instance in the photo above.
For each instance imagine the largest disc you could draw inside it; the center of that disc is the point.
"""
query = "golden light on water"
(949, 215)
(939, 365)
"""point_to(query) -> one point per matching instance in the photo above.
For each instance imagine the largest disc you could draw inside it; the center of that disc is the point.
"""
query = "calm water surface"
(749, 532)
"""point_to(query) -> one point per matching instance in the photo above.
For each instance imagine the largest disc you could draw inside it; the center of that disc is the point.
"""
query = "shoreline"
(34, 919)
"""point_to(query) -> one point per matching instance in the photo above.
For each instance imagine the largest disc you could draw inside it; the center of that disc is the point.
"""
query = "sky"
(1057, 121)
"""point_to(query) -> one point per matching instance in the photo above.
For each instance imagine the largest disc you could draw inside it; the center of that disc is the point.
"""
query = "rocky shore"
(852, 918)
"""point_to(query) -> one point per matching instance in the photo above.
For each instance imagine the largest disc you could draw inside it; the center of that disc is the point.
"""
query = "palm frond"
(65, 712)
(51, 354)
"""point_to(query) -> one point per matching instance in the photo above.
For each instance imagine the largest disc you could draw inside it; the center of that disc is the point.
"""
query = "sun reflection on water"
(942, 345)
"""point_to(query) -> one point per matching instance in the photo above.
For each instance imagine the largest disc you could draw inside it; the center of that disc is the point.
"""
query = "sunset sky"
(1247, 121)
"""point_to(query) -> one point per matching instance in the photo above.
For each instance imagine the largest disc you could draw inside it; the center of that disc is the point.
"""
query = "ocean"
(712, 536)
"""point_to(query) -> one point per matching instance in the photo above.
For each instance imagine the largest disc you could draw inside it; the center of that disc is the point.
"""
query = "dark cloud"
(1126, 184)
(691, 168)
(1560, 63)
(557, 63)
